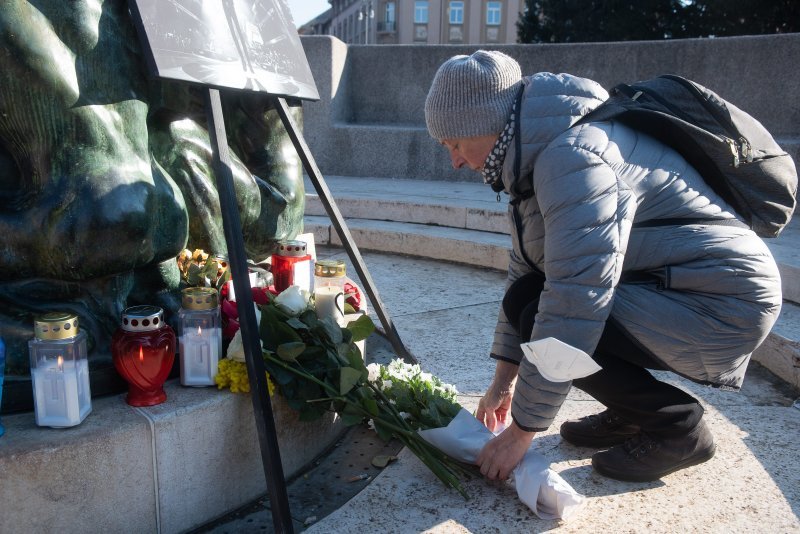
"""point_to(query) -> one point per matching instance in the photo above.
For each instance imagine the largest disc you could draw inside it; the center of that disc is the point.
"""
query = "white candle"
(329, 302)
(301, 274)
(200, 350)
(232, 292)
(62, 396)
(84, 389)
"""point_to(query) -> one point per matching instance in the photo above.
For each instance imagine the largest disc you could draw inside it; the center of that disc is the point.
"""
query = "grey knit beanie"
(472, 95)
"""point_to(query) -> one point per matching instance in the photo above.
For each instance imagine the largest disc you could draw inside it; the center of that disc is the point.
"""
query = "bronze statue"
(105, 175)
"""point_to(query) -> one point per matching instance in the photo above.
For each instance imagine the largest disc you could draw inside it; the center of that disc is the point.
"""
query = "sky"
(305, 10)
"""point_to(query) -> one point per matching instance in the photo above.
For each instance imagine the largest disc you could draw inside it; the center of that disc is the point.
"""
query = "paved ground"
(445, 314)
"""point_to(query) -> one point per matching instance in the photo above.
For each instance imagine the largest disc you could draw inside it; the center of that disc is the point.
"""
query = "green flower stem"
(385, 399)
(444, 467)
(398, 417)
(335, 396)
(407, 430)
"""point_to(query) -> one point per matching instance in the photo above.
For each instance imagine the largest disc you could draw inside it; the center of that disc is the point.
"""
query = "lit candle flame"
(199, 331)
(141, 355)
(60, 363)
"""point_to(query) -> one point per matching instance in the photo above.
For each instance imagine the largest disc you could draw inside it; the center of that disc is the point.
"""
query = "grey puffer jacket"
(720, 291)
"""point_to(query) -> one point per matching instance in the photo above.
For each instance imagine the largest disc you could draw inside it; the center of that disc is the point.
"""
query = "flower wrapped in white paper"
(543, 490)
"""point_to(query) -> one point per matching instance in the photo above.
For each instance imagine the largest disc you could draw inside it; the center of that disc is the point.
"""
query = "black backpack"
(731, 150)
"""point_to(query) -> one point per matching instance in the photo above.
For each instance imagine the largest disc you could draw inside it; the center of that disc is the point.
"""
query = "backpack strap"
(685, 222)
(611, 108)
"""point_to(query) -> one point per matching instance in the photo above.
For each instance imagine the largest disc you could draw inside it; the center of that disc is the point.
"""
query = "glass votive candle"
(329, 280)
(143, 350)
(200, 336)
(291, 265)
(59, 371)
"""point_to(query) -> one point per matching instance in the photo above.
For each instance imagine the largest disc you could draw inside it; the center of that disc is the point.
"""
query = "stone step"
(473, 206)
(481, 218)
(470, 247)
(786, 250)
(780, 352)
(463, 223)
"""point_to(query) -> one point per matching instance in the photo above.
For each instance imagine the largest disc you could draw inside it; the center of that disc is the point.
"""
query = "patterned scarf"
(493, 167)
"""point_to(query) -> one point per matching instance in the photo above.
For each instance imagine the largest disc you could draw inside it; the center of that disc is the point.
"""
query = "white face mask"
(557, 361)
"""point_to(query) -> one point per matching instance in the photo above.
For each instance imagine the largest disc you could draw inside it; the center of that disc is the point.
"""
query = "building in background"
(419, 21)
(319, 25)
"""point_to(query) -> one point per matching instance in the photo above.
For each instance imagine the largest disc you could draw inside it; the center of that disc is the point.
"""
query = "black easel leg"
(259, 390)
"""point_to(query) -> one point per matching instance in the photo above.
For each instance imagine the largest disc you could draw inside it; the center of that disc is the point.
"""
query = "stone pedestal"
(166, 468)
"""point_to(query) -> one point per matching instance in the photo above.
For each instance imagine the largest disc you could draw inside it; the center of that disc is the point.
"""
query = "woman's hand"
(502, 454)
(494, 407)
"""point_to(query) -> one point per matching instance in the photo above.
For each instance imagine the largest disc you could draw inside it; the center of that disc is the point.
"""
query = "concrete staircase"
(463, 222)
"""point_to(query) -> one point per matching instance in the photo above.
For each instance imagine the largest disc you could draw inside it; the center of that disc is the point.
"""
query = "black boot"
(644, 458)
(599, 431)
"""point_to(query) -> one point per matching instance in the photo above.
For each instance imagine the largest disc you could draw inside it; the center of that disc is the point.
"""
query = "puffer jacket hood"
(552, 103)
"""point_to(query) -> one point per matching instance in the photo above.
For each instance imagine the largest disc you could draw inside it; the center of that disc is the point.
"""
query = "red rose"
(229, 309)
(260, 295)
(352, 295)
(231, 327)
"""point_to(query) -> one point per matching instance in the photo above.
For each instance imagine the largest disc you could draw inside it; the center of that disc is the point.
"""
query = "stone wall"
(370, 118)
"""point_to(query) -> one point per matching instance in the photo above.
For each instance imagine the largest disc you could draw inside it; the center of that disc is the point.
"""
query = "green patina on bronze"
(105, 176)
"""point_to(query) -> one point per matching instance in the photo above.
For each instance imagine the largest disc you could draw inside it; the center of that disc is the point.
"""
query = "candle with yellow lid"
(59, 371)
(329, 280)
(200, 336)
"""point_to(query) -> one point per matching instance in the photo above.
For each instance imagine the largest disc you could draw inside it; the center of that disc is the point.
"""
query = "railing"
(387, 26)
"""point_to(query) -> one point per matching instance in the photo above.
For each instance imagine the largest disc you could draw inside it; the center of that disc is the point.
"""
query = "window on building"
(457, 12)
(421, 12)
(493, 13)
(390, 12)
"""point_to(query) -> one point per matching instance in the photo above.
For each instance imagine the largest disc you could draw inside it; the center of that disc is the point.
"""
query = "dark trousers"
(624, 385)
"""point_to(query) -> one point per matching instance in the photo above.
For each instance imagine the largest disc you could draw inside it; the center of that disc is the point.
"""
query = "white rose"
(236, 348)
(374, 370)
(292, 301)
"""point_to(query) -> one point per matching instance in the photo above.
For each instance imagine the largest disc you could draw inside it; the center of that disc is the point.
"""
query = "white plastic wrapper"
(547, 494)
(557, 361)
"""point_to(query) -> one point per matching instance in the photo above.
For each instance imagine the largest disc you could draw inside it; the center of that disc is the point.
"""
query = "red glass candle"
(143, 350)
(291, 265)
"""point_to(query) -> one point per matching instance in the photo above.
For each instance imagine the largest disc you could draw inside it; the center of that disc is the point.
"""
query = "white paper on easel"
(557, 361)
(543, 490)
